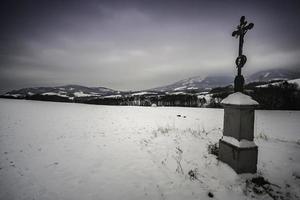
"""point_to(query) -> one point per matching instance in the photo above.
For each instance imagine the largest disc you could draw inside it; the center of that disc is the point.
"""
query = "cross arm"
(249, 26)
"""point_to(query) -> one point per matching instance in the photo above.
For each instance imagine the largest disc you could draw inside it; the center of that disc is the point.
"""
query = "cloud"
(138, 45)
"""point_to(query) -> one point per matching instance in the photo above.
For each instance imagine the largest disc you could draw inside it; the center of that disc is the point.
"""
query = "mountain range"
(197, 83)
(191, 85)
(274, 74)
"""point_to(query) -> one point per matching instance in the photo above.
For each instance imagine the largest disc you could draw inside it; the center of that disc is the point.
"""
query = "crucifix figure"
(240, 61)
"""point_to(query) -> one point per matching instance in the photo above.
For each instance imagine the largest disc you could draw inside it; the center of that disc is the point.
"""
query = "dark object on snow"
(296, 175)
(260, 185)
(193, 174)
(211, 195)
(260, 181)
(213, 149)
(178, 115)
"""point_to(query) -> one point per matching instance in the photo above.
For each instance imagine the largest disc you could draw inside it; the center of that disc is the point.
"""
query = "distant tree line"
(285, 96)
(187, 100)
(280, 96)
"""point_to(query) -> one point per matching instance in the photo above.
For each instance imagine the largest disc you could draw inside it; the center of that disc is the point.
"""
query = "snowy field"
(65, 151)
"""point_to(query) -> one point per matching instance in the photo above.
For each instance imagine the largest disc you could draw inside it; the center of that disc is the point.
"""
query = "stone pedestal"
(241, 159)
(237, 147)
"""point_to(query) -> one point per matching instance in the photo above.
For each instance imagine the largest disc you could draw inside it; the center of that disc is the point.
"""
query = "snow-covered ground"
(74, 151)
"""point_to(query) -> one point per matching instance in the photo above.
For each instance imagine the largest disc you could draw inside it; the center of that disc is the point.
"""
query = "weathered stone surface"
(239, 127)
(242, 160)
(239, 122)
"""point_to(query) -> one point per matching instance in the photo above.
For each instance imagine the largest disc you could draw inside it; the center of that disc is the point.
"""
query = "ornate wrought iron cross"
(240, 61)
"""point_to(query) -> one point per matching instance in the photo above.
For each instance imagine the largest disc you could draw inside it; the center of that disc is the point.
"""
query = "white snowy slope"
(143, 93)
(295, 81)
(81, 94)
(54, 93)
(75, 151)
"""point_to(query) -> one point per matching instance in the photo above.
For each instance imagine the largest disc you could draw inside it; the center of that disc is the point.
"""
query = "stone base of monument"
(241, 159)
(237, 147)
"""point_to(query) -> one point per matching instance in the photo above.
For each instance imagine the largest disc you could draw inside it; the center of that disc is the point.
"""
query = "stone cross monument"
(237, 147)
(241, 60)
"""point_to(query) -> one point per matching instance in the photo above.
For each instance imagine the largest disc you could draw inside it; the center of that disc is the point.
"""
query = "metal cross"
(240, 61)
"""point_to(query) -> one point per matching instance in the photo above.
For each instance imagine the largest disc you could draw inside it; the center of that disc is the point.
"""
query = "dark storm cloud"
(139, 44)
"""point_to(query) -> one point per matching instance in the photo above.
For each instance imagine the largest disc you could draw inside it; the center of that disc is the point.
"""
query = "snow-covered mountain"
(205, 84)
(68, 91)
(194, 84)
(197, 83)
(273, 74)
(77, 91)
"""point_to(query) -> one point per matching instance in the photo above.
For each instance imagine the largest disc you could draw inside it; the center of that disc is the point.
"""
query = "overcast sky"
(130, 45)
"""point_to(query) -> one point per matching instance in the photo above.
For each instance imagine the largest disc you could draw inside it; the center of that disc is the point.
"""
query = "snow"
(113, 96)
(203, 93)
(95, 94)
(142, 93)
(180, 88)
(81, 94)
(13, 95)
(17, 95)
(267, 74)
(54, 93)
(67, 151)
(266, 85)
(293, 81)
(176, 93)
(239, 98)
(242, 144)
(206, 96)
(50, 93)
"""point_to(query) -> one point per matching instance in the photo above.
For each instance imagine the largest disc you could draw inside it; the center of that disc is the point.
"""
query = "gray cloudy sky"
(139, 44)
